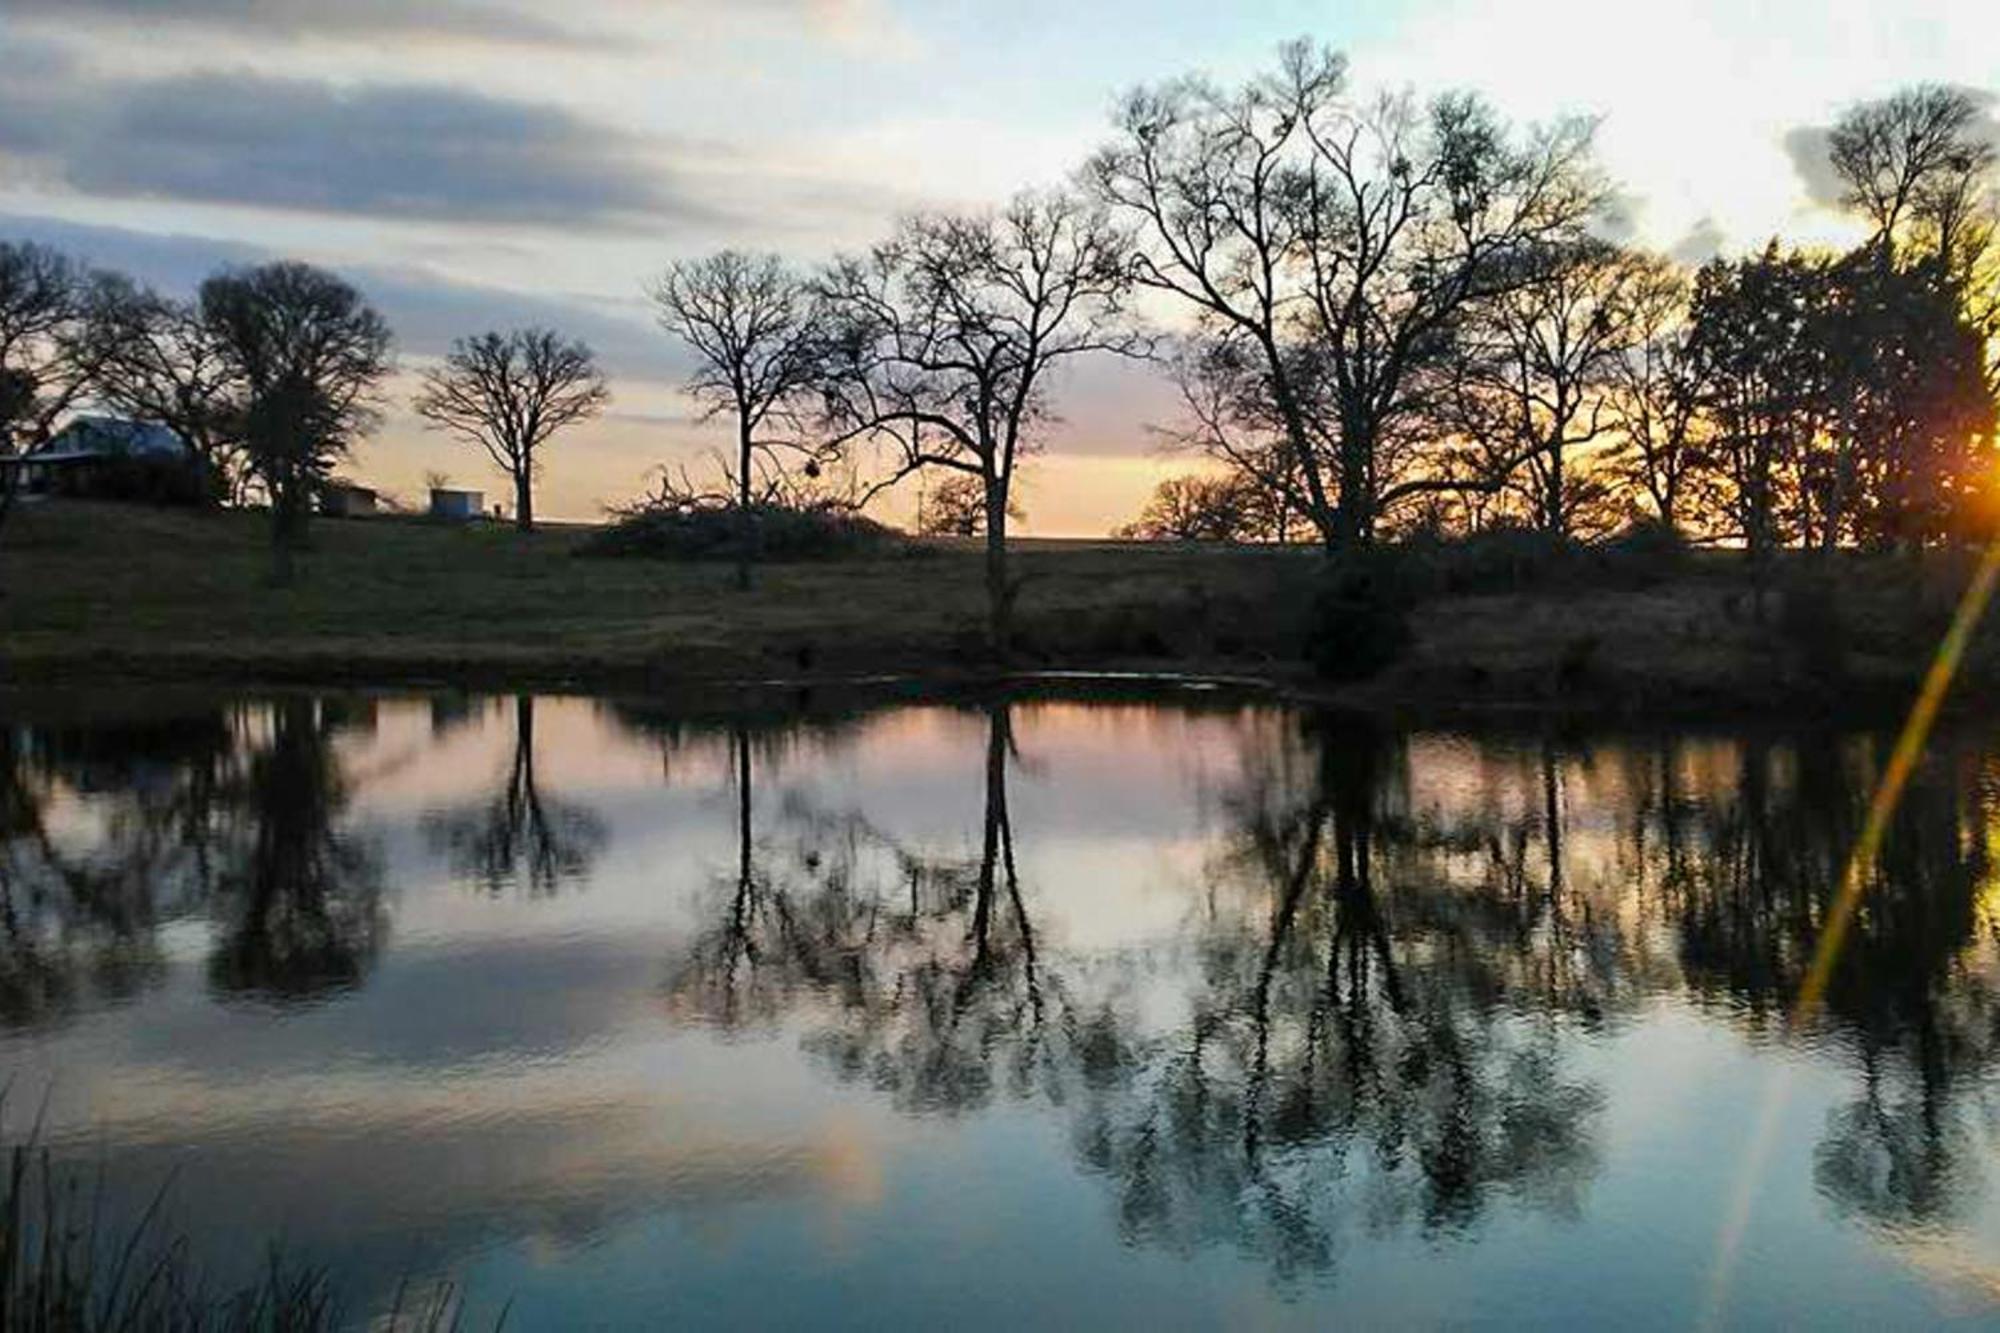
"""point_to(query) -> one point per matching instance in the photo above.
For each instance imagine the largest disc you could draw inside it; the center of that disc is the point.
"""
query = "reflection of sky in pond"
(1185, 1013)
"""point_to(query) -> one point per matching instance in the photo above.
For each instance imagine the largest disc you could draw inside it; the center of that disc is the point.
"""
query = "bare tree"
(58, 323)
(956, 507)
(509, 393)
(1656, 402)
(942, 340)
(1340, 243)
(1912, 160)
(167, 366)
(305, 352)
(1535, 374)
(752, 324)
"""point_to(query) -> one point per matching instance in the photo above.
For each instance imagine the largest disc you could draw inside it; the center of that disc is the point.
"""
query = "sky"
(475, 164)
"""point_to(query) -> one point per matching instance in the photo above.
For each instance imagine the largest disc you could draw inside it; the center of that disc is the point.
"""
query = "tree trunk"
(1300, 443)
(745, 525)
(288, 522)
(995, 822)
(999, 597)
(7, 484)
(1761, 533)
(524, 497)
(1558, 521)
(1354, 524)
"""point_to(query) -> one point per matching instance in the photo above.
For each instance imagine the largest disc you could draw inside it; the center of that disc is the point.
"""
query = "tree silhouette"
(298, 900)
(305, 353)
(165, 364)
(755, 329)
(59, 323)
(941, 342)
(509, 393)
(1333, 246)
(521, 835)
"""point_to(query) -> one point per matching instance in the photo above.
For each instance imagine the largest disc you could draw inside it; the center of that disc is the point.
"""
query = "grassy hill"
(161, 593)
(103, 591)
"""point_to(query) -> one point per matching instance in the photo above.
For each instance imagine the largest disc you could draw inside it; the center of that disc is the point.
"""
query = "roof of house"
(103, 437)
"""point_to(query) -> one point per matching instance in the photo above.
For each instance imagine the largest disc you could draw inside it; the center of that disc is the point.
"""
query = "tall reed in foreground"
(63, 1269)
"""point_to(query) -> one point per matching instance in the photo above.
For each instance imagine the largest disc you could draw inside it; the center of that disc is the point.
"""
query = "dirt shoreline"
(1391, 701)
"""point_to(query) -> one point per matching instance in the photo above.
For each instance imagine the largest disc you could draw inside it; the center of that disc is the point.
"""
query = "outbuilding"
(344, 499)
(458, 506)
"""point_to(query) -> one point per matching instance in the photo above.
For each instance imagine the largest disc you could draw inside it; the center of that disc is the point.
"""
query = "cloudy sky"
(483, 163)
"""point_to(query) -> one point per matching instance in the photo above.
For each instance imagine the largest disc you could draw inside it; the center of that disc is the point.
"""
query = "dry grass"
(99, 590)
(163, 593)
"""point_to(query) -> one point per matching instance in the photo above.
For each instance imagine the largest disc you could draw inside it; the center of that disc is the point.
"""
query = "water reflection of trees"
(1384, 979)
(1731, 854)
(109, 830)
(1913, 998)
(78, 916)
(297, 898)
(1351, 1057)
(521, 835)
(1370, 1016)
(1323, 1067)
(929, 960)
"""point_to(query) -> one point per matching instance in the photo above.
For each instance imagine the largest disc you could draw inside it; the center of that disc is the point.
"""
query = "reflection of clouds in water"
(1273, 983)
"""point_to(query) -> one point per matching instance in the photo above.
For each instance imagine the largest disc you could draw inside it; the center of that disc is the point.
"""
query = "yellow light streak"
(1854, 879)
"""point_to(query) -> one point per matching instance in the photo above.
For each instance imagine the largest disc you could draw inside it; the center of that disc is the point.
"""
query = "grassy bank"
(129, 591)
(95, 591)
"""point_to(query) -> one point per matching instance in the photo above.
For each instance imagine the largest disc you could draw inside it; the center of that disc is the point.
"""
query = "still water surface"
(1185, 1012)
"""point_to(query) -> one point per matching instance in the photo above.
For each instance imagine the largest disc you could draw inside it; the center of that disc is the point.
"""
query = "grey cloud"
(1807, 146)
(1701, 244)
(340, 19)
(388, 150)
(1617, 219)
(426, 311)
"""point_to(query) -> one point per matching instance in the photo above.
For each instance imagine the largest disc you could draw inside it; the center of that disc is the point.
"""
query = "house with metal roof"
(108, 457)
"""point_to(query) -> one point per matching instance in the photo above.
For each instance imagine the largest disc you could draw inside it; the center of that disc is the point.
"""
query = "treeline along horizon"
(1383, 314)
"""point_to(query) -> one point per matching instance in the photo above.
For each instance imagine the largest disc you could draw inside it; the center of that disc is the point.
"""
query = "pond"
(1169, 1010)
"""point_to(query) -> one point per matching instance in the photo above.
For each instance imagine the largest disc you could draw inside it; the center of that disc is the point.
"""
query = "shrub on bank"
(1642, 553)
(1510, 558)
(1360, 619)
(709, 531)
(1503, 558)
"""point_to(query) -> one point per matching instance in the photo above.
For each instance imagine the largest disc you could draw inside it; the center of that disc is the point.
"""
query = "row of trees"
(1401, 315)
(1408, 320)
(1390, 315)
(269, 375)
